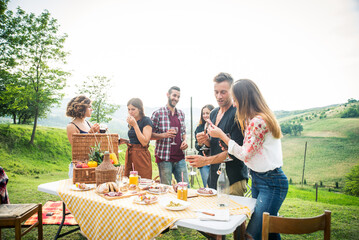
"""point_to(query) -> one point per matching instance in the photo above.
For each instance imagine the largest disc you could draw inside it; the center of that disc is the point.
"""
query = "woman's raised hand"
(95, 128)
(132, 121)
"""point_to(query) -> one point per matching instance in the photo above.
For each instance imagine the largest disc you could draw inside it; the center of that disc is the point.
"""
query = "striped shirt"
(161, 124)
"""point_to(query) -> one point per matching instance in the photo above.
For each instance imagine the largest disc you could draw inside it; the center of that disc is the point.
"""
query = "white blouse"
(261, 152)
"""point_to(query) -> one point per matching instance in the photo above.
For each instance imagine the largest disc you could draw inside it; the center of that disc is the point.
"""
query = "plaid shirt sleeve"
(161, 124)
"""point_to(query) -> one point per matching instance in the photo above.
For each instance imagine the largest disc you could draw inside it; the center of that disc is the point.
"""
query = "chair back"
(273, 224)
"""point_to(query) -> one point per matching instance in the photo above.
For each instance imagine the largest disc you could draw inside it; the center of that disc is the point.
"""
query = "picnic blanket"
(122, 219)
(56, 218)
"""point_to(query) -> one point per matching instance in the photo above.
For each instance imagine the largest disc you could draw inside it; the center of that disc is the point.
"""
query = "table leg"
(239, 233)
(58, 235)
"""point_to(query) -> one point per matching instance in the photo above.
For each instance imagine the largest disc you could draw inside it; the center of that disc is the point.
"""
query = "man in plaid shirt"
(169, 131)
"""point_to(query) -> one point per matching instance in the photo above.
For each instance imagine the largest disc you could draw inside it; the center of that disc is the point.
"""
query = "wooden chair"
(273, 224)
(12, 216)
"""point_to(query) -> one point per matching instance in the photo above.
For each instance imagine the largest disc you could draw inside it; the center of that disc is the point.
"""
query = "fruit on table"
(92, 164)
(114, 159)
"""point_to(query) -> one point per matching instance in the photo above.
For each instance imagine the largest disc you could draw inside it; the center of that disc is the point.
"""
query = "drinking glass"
(226, 148)
(103, 128)
(175, 129)
(191, 169)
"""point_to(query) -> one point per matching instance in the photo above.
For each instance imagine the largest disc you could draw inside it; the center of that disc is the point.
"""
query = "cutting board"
(125, 195)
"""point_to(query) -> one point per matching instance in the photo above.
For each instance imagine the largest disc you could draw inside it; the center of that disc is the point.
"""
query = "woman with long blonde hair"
(261, 152)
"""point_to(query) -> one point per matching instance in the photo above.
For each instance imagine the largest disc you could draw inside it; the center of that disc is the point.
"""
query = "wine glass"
(190, 152)
(175, 130)
(206, 150)
(224, 145)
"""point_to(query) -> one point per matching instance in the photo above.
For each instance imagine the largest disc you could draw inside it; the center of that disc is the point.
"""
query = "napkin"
(219, 214)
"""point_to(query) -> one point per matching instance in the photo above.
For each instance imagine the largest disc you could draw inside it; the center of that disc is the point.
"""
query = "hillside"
(332, 148)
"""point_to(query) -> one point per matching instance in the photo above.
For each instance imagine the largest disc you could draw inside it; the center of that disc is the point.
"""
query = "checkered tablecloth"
(122, 219)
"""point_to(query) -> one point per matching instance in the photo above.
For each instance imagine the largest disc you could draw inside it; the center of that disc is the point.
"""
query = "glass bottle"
(134, 178)
(223, 188)
(182, 191)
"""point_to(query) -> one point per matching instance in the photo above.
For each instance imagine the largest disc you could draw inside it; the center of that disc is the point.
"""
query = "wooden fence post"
(305, 154)
(316, 192)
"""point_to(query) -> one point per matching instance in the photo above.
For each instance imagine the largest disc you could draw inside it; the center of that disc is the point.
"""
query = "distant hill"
(57, 118)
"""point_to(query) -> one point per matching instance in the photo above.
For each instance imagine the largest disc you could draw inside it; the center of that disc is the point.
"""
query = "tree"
(286, 128)
(96, 88)
(351, 112)
(32, 53)
(352, 182)
(297, 129)
(3, 6)
(352, 100)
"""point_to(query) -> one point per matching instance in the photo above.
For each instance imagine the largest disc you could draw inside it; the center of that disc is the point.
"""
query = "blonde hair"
(251, 103)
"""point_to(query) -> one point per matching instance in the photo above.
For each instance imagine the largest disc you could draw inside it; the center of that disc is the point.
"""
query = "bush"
(352, 112)
(352, 182)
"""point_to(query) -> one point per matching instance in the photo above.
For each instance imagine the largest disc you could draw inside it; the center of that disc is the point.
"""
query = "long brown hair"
(137, 103)
(210, 107)
(250, 103)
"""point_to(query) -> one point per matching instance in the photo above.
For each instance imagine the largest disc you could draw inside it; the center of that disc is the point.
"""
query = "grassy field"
(332, 152)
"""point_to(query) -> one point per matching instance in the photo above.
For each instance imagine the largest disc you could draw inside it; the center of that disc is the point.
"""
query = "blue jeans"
(204, 174)
(270, 189)
(167, 168)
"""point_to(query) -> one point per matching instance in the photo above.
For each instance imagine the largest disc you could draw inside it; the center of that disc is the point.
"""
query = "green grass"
(330, 154)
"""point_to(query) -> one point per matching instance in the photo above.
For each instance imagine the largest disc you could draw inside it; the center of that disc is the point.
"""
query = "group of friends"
(247, 128)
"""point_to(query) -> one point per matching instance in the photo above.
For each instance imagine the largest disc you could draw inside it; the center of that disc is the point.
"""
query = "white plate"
(88, 187)
(165, 201)
(156, 191)
(208, 195)
(135, 200)
(146, 181)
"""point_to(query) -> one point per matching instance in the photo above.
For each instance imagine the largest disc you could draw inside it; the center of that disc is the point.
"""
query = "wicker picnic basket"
(106, 172)
(81, 145)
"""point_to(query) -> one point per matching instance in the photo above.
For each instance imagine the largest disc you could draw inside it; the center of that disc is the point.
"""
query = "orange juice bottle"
(133, 178)
(182, 191)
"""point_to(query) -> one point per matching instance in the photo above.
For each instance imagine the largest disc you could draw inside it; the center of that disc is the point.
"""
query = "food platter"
(137, 200)
(88, 187)
(174, 204)
(202, 193)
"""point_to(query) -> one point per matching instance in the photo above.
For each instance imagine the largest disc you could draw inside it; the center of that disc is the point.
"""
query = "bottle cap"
(133, 172)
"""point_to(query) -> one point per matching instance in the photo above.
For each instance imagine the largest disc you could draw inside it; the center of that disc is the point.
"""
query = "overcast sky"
(301, 53)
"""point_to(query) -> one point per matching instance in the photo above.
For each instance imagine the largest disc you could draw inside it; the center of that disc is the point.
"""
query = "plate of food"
(207, 192)
(158, 189)
(82, 187)
(174, 204)
(146, 181)
(144, 199)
